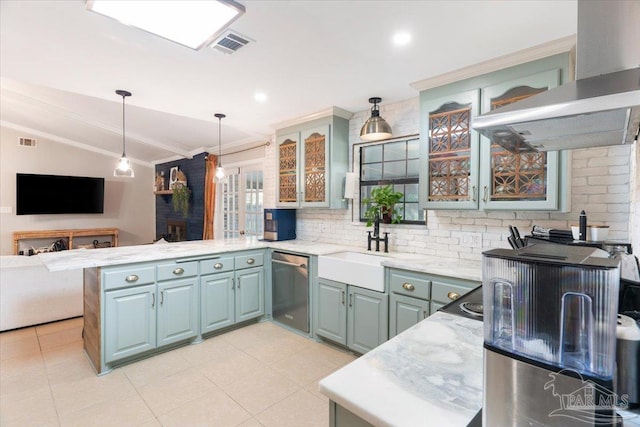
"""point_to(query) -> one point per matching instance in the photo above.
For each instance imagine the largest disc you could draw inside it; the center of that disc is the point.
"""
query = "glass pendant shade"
(220, 174)
(123, 168)
(375, 128)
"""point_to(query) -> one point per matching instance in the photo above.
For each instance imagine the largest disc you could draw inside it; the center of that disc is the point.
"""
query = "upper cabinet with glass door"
(312, 163)
(461, 170)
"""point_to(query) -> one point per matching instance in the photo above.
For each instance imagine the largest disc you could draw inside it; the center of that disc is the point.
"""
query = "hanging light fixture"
(123, 169)
(375, 128)
(220, 176)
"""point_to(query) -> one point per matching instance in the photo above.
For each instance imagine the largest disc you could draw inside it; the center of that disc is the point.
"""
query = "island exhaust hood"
(600, 108)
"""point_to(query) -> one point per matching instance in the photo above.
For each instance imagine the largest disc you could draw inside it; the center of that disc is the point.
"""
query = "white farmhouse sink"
(353, 268)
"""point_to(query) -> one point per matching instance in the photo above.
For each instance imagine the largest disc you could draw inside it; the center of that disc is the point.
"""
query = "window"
(393, 162)
(242, 199)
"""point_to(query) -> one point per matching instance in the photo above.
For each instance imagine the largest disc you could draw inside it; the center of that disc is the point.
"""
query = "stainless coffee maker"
(549, 336)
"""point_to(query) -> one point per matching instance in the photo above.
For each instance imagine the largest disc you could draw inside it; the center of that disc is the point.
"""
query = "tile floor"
(259, 375)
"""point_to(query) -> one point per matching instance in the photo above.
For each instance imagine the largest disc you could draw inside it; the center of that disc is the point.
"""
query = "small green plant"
(180, 198)
(382, 202)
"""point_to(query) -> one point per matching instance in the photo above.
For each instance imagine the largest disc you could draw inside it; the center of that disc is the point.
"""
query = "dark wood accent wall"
(194, 169)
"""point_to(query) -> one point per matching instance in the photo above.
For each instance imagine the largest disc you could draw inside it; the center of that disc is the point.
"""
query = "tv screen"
(57, 194)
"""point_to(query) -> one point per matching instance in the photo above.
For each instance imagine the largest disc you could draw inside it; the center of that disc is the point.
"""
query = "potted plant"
(382, 203)
(180, 198)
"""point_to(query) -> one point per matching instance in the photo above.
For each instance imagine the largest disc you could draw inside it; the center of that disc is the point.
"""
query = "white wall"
(603, 184)
(129, 203)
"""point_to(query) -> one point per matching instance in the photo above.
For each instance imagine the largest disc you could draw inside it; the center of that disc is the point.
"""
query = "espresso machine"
(549, 336)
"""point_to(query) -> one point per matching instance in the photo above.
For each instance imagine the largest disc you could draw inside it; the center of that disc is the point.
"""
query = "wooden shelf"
(68, 235)
(163, 192)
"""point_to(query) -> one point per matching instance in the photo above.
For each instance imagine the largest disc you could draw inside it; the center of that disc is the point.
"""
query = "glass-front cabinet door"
(449, 177)
(315, 151)
(288, 146)
(526, 180)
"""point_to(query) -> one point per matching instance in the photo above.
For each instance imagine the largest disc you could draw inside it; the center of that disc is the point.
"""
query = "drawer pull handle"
(178, 271)
(453, 295)
(408, 286)
(251, 261)
(342, 297)
(131, 278)
(218, 265)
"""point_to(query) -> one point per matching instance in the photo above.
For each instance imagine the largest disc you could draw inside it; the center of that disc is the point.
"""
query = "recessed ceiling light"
(260, 97)
(191, 23)
(401, 39)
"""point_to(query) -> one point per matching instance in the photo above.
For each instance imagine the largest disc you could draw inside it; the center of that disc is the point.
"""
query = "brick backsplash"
(603, 183)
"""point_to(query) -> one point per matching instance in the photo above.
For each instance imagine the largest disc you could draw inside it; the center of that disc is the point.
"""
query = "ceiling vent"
(27, 142)
(230, 42)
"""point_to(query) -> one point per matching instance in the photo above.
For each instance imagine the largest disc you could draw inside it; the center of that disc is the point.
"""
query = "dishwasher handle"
(302, 265)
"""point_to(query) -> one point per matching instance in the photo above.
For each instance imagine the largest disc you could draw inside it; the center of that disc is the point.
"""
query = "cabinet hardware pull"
(350, 300)
(161, 297)
(474, 193)
(153, 300)
(424, 314)
(251, 261)
(342, 297)
(233, 284)
(486, 194)
(131, 278)
(238, 283)
(218, 265)
(178, 271)
(408, 286)
(453, 295)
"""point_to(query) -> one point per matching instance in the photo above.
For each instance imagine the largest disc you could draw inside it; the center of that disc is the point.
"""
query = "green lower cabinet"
(406, 312)
(130, 322)
(232, 297)
(352, 316)
(142, 318)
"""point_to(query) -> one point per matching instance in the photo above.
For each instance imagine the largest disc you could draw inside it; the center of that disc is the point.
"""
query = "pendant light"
(220, 176)
(375, 128)
(123, 169)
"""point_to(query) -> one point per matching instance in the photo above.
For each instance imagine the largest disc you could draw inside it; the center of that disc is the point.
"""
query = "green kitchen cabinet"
(130, 322)
(233, 295)
(141, 318)
(447, 289)
(410, 293)
(462, 170)
(352, 316)
(312, 159)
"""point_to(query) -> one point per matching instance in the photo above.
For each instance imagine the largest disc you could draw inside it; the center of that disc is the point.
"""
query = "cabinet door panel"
(449, 175)
(518, 180)
(130, 322)
(177, 311)
(314, 153)
(332, 311)
(249, 293)
(367, 319)
(406, 312)
(216, 301)
(288, 179)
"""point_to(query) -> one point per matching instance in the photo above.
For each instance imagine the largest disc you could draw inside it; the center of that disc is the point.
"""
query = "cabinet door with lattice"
(518, 180)
(449, 176)
(315, 168)
(288, 185)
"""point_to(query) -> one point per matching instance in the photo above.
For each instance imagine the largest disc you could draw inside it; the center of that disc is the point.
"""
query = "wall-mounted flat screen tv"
(57, 194)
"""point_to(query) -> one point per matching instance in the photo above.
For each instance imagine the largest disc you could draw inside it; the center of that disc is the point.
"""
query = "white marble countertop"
(88, 258)
(430, 375)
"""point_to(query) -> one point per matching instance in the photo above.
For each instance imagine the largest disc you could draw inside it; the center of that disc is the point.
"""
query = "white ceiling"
(61, 64)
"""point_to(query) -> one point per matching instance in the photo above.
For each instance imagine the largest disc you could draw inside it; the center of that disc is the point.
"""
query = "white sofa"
(30, 294)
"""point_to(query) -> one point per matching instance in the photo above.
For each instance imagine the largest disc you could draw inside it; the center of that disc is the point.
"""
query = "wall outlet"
(472, 240)
(323, 228)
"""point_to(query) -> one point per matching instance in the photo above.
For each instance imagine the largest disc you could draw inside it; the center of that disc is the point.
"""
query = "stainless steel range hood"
(600, 108)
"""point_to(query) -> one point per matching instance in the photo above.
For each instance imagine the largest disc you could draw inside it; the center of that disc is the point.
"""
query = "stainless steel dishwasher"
(290, 279)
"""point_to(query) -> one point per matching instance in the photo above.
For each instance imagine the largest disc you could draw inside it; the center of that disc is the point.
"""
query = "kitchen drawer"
(255, 259)
(410, 284)
(175, 270)
(129, 276)
(216, 265)
(447, 292)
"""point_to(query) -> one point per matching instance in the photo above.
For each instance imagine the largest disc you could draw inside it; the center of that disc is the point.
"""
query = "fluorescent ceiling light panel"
(190, 23)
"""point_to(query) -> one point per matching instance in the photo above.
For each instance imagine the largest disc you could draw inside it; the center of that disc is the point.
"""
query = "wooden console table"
(67, 235)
